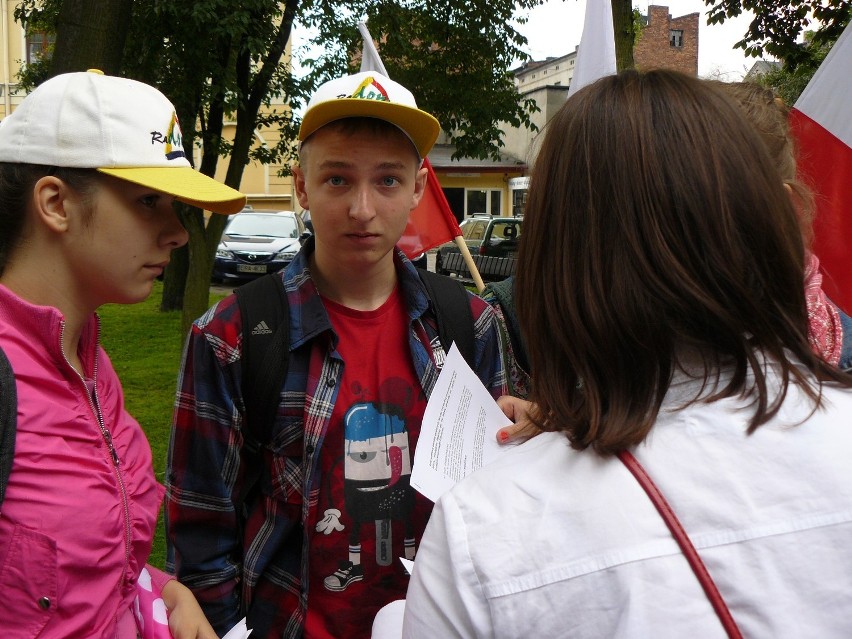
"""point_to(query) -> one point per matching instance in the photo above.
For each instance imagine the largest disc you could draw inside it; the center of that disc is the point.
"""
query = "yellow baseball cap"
(118, 126)
(370, 95)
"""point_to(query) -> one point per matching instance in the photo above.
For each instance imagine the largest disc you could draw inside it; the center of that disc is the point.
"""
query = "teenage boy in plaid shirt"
(318, 553)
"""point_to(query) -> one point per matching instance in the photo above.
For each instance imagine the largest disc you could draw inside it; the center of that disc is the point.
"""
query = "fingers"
(518, 411)
(517, 433)
(514, 408)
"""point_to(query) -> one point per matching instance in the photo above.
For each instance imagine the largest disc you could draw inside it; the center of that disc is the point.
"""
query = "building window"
(676, 38)
(519, 202)
(483, 202)
(38, 46)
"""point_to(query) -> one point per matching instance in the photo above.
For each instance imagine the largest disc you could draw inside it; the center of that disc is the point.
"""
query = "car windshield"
(263, 226)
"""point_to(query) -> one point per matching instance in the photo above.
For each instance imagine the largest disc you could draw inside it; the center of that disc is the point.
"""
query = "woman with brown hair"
(829, 328)
(660, 294)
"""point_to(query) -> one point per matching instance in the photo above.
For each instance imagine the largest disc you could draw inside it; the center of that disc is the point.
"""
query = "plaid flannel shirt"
(264, 574)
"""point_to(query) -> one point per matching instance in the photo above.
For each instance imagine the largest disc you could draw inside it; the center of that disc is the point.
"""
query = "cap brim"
(186, 185)
(421, 127)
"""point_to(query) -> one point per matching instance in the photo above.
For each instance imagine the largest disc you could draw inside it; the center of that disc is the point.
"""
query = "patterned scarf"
(824, 330)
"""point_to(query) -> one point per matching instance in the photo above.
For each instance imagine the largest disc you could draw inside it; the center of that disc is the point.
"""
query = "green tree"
(218, 59)
(789, 83)
(778, 26)
(455, 57)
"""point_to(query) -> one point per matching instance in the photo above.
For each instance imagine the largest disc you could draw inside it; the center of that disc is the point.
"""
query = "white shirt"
(553, 542)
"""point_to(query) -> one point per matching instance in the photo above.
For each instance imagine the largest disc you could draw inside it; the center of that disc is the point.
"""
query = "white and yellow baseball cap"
(370, 95)
(118, 126)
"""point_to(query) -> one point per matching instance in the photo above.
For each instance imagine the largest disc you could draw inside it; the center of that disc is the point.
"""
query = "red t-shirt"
(367, 515)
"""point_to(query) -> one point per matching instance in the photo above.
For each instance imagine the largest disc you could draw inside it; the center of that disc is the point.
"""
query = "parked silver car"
(258, 242)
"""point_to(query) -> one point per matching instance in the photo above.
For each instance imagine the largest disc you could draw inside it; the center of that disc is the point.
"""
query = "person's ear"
(299, 186)
(50, 203)
(419, 186)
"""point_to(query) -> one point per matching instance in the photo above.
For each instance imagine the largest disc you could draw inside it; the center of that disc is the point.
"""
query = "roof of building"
(441, 159)
(761, 67)
(532, 65)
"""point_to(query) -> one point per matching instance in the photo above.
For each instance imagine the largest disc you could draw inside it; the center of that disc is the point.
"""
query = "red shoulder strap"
(684, 542)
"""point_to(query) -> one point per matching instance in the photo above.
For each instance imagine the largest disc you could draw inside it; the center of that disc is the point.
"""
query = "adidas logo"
(261, 329)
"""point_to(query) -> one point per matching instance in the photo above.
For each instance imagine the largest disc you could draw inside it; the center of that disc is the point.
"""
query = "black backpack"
(266, 339)
(8, 421)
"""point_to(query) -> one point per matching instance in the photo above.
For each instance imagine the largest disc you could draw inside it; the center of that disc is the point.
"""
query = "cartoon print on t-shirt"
(376, 486)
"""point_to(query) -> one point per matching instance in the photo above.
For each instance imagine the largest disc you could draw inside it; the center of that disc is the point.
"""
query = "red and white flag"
(432, 223)
(821, 121)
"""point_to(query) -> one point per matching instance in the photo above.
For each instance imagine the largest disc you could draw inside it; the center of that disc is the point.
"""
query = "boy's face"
(360, 188)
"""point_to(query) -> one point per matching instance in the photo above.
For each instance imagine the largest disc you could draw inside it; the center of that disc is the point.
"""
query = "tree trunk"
(174, 279)
(196, 297)
(622, 22)
(91, 34)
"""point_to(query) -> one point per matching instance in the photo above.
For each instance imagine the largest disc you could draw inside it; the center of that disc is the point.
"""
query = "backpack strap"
(8, 421)
(265, 315)
(265, 350)
(451, 303)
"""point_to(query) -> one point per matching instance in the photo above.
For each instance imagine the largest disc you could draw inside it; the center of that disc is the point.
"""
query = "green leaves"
(454, 57)
(778, 26)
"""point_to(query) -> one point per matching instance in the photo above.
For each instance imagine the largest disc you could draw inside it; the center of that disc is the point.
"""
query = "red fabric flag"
(432, 223)
(821, 123)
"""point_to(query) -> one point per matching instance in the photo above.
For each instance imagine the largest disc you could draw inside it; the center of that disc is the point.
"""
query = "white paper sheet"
(239, 631)
(459, 430)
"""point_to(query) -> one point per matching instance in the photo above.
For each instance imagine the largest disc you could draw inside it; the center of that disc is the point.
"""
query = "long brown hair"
(657, 226)
(768, 114)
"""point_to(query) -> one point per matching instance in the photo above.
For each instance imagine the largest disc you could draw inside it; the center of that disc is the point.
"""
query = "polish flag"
(821, 121)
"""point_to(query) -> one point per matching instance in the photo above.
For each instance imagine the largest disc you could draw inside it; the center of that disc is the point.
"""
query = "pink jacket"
(76, 526)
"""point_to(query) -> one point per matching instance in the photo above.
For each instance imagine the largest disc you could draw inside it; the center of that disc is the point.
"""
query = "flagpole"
(471, 265)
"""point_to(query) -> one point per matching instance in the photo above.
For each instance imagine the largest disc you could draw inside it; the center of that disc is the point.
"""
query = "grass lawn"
(145, 347)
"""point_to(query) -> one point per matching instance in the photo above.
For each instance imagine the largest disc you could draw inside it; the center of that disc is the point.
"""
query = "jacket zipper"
(94, 404)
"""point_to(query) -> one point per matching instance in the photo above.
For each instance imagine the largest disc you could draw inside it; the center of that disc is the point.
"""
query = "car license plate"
(251, 268)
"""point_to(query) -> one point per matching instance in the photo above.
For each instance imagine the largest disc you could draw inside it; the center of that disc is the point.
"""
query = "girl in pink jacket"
(89, 168)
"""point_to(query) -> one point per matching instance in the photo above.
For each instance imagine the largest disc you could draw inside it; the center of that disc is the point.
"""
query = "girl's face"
(118, 249)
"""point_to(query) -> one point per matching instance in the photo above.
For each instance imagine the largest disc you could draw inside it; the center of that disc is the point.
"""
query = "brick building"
(668, 43)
